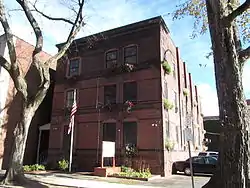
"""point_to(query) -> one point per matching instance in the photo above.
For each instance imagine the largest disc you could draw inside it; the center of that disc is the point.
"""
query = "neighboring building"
(10, 102)
(212, 128)
(112, 71)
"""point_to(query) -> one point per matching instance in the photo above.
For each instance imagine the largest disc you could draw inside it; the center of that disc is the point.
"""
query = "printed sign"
(108, 149)
(188, 134)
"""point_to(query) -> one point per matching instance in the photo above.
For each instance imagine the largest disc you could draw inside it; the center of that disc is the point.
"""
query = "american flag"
(72, 116)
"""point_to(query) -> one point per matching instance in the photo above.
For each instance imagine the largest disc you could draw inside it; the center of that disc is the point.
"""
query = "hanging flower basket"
(166, 67)
(127, 67)
(185, 92)
(169, 145)
(129, 105)
(168, 105)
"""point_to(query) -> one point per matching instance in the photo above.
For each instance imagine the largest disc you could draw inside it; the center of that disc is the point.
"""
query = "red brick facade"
(151, 37)
(11, 112)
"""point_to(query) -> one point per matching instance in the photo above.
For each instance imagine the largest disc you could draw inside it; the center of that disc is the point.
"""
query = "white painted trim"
(44, 127)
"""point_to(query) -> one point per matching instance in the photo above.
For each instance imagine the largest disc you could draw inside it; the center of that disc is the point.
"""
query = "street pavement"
(83, 181)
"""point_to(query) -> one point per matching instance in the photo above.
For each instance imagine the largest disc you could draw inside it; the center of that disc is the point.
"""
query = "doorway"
(43, 144)
(108, 134)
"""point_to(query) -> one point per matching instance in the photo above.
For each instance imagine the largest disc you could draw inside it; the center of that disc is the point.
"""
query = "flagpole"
(72, 137)
(71, 145)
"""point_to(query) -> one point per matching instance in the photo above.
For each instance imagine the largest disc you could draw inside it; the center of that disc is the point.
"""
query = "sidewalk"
(65, 180)
(85, 181)
(70, 182)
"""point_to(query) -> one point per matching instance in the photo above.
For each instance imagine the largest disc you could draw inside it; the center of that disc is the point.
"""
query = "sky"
(102, 15)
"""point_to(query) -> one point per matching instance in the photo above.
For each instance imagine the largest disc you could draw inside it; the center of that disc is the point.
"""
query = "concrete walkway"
(65, 180)
(83, 181)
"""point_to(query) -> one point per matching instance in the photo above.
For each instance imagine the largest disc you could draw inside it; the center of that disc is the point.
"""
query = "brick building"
(212, 126)
(10, 102)
(132, 88)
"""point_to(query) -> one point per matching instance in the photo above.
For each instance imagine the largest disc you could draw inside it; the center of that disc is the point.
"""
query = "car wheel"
(174, 170)
(187, 171)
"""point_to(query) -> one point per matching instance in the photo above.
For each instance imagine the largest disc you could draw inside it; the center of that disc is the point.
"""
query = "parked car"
(200, 164)
(209, 153)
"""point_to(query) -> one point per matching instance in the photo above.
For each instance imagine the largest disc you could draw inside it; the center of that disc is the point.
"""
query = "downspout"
(179, 93)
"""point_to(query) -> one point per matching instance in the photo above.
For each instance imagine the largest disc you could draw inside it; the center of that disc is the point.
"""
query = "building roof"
(122, 30)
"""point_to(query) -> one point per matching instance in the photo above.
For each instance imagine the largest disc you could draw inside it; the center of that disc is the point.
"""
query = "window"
(109, 132)
(130, 91)
(165, 94)
(175, 98)
(74, 67)
(111, 58)
(177, 134)
(174, 70)
(130, 133)
(130, 54)
(167, 129)
(210, 160)
(110, 94)
(198, 160)
(70, 97)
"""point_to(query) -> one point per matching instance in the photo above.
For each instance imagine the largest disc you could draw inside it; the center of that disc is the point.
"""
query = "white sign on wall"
(188, 134)
(108, 149)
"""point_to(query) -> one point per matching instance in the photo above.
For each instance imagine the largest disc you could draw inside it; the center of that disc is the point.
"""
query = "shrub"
(126, 169)
(129, 172)
(35, 167)
(169, 145)
(63, 165)
(167, 104)
(166, 67)
(26, 168)
(185, 92)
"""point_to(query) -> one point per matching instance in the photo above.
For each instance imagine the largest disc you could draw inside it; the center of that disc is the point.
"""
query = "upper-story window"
(165, 89)
(175, 98)
(70, 97)
(130, 54)
(130, 91)
(110, 94)
(174, 70)
(74, 67)
(111, 58)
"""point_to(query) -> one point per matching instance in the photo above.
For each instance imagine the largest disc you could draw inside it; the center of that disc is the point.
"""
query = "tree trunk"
(233, 167)
(14, 174)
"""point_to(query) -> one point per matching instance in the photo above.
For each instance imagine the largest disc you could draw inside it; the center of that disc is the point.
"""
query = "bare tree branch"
(39, 38)
(5, 64)
(74, 30)
(8, 35)
(13, 68)
(244, 54)
(44, 86)
(52, 18)
(242, 8)
(34, 24)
